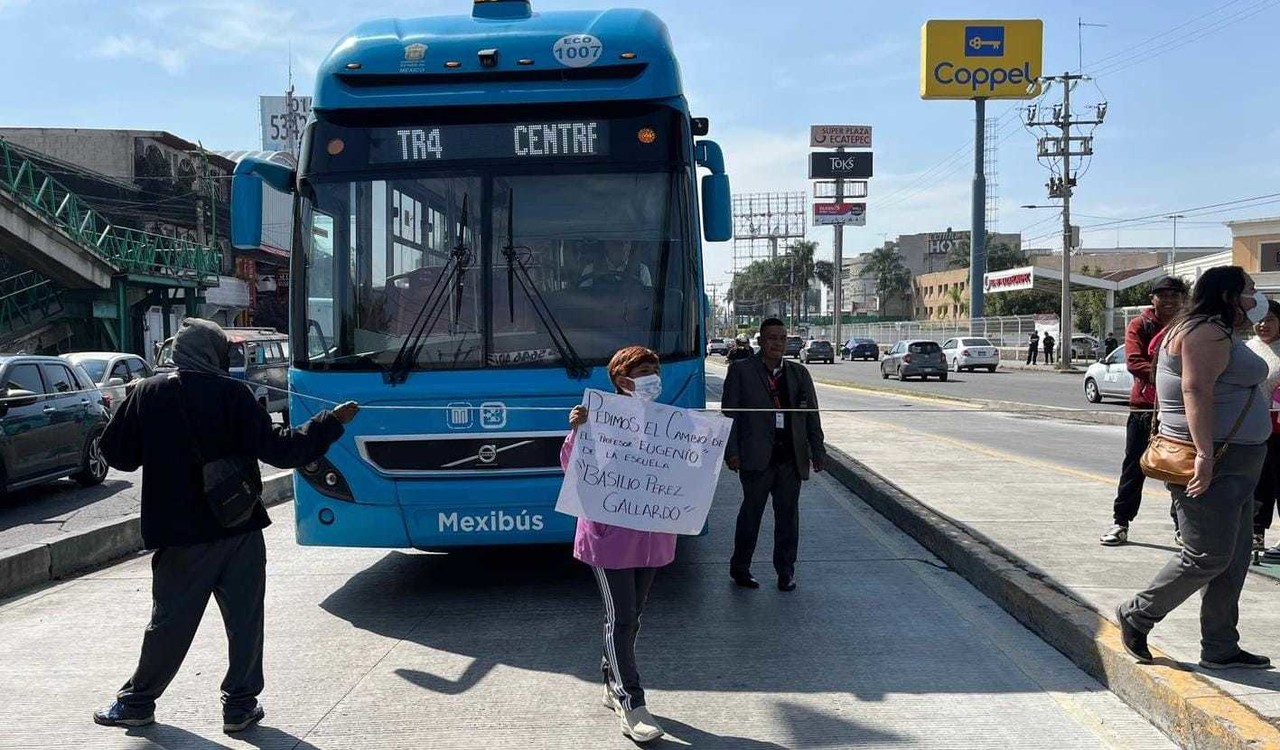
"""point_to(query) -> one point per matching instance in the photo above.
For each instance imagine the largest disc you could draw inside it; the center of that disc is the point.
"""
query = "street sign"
(829, 164)
(283, 118)
(840, 136)
(852, 189)
(842, 214)
(981, 59)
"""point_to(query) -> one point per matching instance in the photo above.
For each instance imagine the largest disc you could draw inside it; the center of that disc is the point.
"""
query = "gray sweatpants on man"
(234, 571)
(624, 592)
(1217, 536)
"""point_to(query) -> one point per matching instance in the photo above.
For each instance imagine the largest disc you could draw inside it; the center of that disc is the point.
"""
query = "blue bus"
(486, 208)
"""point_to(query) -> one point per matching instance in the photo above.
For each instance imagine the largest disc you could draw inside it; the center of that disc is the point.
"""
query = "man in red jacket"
(1167, 298)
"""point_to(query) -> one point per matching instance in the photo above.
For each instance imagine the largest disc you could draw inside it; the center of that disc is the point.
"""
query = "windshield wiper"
(453, 274)
(517, 271)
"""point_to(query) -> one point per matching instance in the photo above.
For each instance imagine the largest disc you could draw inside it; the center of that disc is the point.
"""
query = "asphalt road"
(1044, 388)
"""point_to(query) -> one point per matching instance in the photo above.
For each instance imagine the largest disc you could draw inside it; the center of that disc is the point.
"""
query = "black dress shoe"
(745, 581)
(1134, 640)
(787, 583)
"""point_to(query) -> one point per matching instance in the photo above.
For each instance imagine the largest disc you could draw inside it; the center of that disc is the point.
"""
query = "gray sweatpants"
(1217, 535)
(234, 571)
(624, 593)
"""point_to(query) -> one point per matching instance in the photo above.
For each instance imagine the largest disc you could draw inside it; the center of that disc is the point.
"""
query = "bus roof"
(402, 62)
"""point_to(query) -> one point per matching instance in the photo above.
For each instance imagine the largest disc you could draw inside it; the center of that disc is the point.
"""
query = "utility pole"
(1064, 147)
(837, 255)
(1173, 252)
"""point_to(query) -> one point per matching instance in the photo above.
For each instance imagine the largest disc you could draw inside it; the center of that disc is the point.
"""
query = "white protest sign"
(643, 465)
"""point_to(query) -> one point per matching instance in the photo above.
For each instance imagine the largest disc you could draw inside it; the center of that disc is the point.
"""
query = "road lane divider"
(70, 555)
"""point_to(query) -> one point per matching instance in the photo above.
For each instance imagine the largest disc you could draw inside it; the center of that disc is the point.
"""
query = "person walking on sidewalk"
(772, 451)
(1207, 384)
(1109, 345)
(1033, 348)
(1266, 344)
(1048, 343)
(195, 555)
(1167, 299)
(624, 561)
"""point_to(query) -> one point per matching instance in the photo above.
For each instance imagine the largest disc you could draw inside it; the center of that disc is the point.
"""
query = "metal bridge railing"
(26, 298)
(127, 250)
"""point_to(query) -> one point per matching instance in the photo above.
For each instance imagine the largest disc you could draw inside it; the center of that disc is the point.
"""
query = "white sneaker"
(1115, 536)
(639, 725)
(611, 701)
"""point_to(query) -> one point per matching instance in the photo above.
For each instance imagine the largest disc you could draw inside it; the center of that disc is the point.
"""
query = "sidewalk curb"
(1188, 708)
(66, 556)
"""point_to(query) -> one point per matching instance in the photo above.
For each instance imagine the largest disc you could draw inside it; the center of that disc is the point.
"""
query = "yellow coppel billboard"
(981, 59)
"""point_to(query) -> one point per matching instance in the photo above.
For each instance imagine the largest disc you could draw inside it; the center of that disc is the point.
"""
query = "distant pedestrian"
(1167, 299)
(1109, 345)
(195, 554)
(1033, 348)
(1207, 383)
(1048, 343)
(624, 561)
(772, 451)
(741, 349)
(1266, 344)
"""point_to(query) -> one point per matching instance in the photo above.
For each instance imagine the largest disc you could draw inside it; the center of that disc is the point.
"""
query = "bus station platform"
(881, 646)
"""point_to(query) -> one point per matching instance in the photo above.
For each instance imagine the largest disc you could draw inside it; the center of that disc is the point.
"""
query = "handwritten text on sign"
(643, 465)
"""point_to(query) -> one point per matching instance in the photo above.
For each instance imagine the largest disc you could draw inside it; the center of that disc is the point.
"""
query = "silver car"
(909, 359)
(113, 372)
(1108, 378)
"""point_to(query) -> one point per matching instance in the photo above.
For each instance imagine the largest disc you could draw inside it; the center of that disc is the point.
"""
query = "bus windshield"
(600, 247)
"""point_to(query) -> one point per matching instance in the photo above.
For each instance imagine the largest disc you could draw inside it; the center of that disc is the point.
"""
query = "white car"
(970, 354)
(717, 346)
(1109, 378)
(113, 372)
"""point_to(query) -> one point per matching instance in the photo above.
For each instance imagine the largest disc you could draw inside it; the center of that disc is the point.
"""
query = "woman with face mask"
(1208, 386)
(624, 561)
(1266, 344)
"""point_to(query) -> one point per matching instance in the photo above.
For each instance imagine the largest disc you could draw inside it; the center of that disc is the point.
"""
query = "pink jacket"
(614, 547)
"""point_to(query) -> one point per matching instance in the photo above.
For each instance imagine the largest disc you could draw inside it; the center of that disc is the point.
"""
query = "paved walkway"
(1050, 515)
(880, 647)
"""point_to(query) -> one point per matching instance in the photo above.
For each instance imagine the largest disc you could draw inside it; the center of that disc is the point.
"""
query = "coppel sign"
(981, 59)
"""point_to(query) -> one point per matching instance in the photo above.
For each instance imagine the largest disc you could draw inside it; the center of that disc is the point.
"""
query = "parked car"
(818, 350)
(1108, 378)
(260, 357)
(918, 358)
(970, 354)
(1085, 347)
(113, 372)
(51, 419)
(860, 349)
(717, 346)
(794, 345)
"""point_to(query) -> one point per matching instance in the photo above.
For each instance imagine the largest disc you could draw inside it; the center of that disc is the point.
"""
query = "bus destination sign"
(541, 140)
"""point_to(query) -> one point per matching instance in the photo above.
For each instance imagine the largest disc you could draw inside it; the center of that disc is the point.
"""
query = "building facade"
(930, 252)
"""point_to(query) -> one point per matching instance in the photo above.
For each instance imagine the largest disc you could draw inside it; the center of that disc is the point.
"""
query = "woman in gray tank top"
(1207, 384)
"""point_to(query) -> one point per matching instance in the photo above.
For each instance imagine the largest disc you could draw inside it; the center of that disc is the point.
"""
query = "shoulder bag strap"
(1239, 421)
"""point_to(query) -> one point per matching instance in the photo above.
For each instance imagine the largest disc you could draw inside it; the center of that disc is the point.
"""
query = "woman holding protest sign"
(624, 561)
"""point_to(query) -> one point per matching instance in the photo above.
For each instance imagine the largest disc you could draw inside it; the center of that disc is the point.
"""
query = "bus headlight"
(325, 478)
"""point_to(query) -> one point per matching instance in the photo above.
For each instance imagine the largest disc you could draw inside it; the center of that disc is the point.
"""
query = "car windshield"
(95, 367)
(974, 342)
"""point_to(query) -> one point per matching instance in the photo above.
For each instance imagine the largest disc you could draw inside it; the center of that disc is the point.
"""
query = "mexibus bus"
(487, 207)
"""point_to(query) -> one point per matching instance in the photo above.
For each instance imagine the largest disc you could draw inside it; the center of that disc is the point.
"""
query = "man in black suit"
(772, 451)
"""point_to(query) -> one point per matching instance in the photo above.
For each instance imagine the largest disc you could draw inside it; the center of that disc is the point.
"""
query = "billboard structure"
(282, 120)
(764, 224)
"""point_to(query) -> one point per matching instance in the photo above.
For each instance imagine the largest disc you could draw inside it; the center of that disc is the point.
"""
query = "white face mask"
(1259, 309)
(647, 387)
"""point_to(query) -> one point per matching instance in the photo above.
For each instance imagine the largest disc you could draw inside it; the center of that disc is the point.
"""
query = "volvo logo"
(487, 454)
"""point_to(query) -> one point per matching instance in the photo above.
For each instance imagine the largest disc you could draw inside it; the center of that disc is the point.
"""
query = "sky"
(1192, 115)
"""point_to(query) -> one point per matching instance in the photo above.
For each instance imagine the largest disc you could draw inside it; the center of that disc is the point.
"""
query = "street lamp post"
(1173, 251)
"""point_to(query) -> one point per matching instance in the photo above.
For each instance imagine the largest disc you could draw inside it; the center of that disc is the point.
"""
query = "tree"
(892, 277)
(801, 270)
(959, 305)
(1001, 256)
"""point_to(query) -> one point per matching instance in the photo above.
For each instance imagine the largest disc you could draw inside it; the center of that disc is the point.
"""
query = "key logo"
(493, 415)
(983, 41)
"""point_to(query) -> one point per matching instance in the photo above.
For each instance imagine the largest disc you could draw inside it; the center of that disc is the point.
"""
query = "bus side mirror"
(717, 213)
(246, 197)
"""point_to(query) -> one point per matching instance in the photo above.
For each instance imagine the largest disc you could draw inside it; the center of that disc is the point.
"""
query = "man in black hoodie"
(195, 556)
